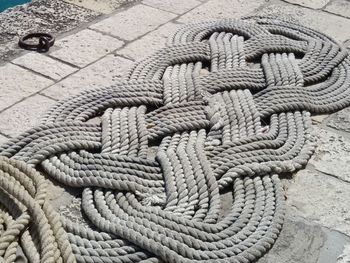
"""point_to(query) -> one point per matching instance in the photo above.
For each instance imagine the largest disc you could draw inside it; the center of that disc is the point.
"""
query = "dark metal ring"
(45, 42)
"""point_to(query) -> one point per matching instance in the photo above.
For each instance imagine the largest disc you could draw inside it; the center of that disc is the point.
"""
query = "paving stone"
(3, 139)
(322, 199)
(340, 120)
(45, 65)
(345, 256)
(332, 25)
(346, 44)
(319, 118)
(39, 15)
(316, 4)
(103, 6)
(303, 242)
(102, 73)
(332, 155)
(216, 9)
(136, 21)
(334, 247)
(24, 115)
(85, 47)
(175, 6)
(149, 43)
(72, 211)
(17, 83)
(339, 7)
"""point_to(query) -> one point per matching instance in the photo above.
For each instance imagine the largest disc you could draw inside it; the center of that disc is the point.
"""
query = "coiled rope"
(224, 107)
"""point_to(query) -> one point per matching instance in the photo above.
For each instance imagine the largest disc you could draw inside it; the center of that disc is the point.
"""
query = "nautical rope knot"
(215, 116)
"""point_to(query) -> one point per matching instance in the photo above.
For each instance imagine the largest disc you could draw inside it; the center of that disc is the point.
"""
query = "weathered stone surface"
(216, 9)
(332, 25)
(136, 21)
(24, 115)
(103, 6)
(3, 139)
(102, 73)
(345, 256)
(177, 6)
(85, 47)
(316, 4)
(322, 199)
(319, 118)
(39, 15)
(45, 65)
(333, 247)
(339, 7)
(149, 43)
(340, 120)
(72, 210)
(17, 83)
(332, 155)
(302, 242)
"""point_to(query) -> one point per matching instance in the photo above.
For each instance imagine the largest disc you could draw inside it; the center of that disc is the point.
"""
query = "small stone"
(220, 9)
(315, 4)
(24, 115)
(45, 65)
(322, 199)
(85, 47)
(339, 7)
(340, 120)
(178, 7)
(17, 83)
(102, 73)
(332, 155)
(136, 21)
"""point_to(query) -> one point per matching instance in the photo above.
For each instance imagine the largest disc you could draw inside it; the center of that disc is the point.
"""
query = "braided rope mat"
(225, 107)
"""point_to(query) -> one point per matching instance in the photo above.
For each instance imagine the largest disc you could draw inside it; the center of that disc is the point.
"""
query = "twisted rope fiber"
(225, 107)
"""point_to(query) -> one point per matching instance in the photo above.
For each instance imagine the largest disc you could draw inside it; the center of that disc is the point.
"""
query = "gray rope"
(224, 107)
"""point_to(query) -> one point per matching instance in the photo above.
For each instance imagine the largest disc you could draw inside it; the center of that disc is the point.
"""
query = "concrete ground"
(102, 43)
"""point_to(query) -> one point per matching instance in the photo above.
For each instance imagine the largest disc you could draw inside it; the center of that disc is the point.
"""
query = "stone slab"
(85, 47)
(315, 4)
(149, 43)
(102, 6)
(332, 25)
(303, 242)
(332, 155)
(136, 21)
(339, 7)
(216, 9)
(321, 199)
(17, 83)
(24, 115)
(45, 65)
(345, 256)
(100, 74)
(3, 139)
(340, 120)
(39, 15)
(334, 247)
(174, 6)
(319, 118)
